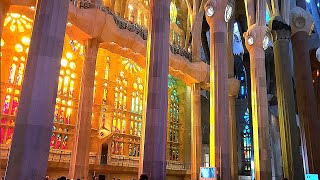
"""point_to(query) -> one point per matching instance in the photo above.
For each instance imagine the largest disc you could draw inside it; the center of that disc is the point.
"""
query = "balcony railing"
(64, 156)
(132, 27)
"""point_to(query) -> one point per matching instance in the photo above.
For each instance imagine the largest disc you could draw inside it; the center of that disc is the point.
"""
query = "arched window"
(173, 12)
(12, 72)
(6, 106)
(20, 75)
(52, 140)
(246, 140)
(121, 92)
(17, 30)
(58, 141)
(64, 142)
(15, 104)
(67, 92)
(173, 119)
(9, 135)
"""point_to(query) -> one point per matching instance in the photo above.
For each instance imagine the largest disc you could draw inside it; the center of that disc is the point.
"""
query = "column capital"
(214, 11)
(280, 30)
(234, 85)
(255, 36)
(300, 20)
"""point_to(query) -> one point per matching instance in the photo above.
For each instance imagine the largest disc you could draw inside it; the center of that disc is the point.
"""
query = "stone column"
(234, 86)
(260, 124)
(4, 7)
(196, 131)
(301, 22)
(154, 136)
(31, 139)
(292, 159)
(79, 165)
(219, 109)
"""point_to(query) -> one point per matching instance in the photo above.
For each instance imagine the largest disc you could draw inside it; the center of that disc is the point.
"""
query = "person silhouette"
(143, 177)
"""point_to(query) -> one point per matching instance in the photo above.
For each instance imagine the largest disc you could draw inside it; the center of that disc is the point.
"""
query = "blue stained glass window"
(267, 17)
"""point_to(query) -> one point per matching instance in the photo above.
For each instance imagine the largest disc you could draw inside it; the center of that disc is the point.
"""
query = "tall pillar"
(234, 86)
(4, 7)
(219, 108)
(79, 165)
(301, 22)
(289, 132)
(154, 136)
(31, 139)
(196, 131)
(260, 124)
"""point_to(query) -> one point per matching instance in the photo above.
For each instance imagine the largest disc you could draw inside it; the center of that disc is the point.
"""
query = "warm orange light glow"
(64, 63)
(15, 58)
(2, 42)
(22, 58)
(18, 22)
(72, 65)
(18, 48)
(69, 55)
(25, 40)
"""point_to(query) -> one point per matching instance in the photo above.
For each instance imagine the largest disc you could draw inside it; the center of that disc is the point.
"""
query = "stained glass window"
(68, 92)
(120, 102)
(117, 145)
(15, 42)
(103, 112)
(173, 12)
(246, 140)
(173, 119)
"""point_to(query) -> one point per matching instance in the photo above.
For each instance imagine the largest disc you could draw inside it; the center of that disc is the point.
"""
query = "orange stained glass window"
(67, 93)
(15, 42)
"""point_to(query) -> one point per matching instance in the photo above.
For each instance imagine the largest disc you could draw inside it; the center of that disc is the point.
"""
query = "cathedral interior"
(111, 89)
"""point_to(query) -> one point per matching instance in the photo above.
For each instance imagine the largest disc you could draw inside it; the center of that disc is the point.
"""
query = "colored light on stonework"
(2, 42)
(64, 63)
(69, 103)
(69, 55)
(18, 48)
(73, 76)
(25, 40)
